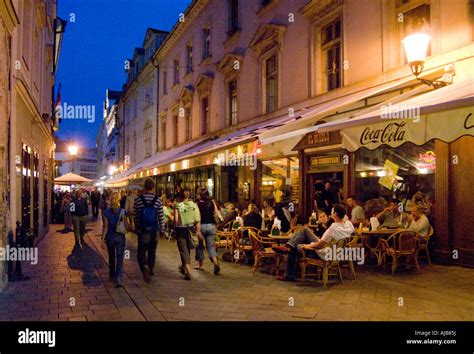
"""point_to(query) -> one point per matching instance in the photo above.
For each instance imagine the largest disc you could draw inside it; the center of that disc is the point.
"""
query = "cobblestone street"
(66, 276)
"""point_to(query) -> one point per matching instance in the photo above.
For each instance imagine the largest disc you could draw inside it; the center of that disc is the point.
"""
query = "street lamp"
(416, 48)
(73, 149)
(112, 170)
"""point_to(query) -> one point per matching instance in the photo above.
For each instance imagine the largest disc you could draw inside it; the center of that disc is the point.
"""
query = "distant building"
(138, 106)
(108, 136)
(84, 164)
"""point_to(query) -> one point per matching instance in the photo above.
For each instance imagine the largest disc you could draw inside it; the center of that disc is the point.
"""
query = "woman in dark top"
(114, 240)
(208, 211)
(280, 214)
(253, 217)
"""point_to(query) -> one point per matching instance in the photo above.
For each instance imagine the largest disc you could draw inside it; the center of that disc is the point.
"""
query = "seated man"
(357, 212)
(418, 221)
(390, 217)
(304, 238)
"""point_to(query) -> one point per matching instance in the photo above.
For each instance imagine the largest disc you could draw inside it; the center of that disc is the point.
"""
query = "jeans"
(116, 249)
(182, 240)
(146, 250)
(302, 236)
(209, 233)
(79, 223)
(67, 219)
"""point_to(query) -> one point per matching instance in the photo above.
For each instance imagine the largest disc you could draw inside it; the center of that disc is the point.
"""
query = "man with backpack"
(149, 222)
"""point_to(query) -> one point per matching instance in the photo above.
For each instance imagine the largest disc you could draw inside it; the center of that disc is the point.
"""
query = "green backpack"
(188, 212)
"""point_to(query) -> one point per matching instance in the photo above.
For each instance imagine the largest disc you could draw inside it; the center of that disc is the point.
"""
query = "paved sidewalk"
(68, 276)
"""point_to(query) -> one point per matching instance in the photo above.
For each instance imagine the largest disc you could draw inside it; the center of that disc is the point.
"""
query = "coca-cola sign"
(392, 132)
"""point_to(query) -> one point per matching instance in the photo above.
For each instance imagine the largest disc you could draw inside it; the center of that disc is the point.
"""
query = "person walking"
(113, 234)
(186, 216)
(95, 200)
(80, 212)
(209, 216)
(65, 208)
(149, 223)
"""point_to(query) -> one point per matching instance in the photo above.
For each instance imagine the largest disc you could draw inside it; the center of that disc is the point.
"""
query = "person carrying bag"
(186, 216)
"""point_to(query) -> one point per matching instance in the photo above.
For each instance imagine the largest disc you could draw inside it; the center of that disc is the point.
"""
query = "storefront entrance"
(318, 192)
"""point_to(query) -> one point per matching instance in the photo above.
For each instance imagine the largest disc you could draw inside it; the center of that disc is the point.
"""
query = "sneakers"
(217, 269)
(182, 269)
(119, 283)
(146, 275)
(281, 249)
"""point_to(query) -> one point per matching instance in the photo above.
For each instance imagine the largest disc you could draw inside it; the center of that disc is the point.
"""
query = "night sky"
(94, 48)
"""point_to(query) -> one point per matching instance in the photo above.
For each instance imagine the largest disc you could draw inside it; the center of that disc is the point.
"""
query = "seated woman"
(253, 217)
(304, 238)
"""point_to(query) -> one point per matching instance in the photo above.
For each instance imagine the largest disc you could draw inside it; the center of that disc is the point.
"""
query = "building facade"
(138, 106)
(256, 79)
(27, 69)
(108, 137)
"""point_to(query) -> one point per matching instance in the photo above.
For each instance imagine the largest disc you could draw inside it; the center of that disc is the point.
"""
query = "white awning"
(446, 114)
(304, 123)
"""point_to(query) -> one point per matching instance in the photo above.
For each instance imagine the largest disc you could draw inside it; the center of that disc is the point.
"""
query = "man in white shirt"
(304, 238)
(357, 212)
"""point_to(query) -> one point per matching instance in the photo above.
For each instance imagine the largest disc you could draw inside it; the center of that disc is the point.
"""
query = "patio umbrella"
(69, 178)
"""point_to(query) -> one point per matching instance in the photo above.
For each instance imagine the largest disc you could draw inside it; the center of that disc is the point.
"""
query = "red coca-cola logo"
(391, 133)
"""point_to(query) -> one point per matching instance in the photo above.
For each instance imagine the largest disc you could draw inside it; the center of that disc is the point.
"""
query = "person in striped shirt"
(149, 224)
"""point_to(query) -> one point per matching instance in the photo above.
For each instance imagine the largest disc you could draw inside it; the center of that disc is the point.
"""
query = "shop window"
(331, 48)
(280, 180)
(414, 180)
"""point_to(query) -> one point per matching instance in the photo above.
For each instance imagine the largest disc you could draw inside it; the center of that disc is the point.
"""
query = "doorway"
(317, 193)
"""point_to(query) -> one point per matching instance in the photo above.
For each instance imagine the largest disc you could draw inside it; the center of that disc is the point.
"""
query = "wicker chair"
(401, 244)
(262, 248)
(355, 241)
(224, 239)
(238, 248)
(423, 244)
(327, 267)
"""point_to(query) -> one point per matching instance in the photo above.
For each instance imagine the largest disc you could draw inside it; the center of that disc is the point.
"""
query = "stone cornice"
(318, 9)
(267, 35)
(180, 28)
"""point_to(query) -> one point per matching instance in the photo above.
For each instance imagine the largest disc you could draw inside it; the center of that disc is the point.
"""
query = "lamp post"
(73, 149)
